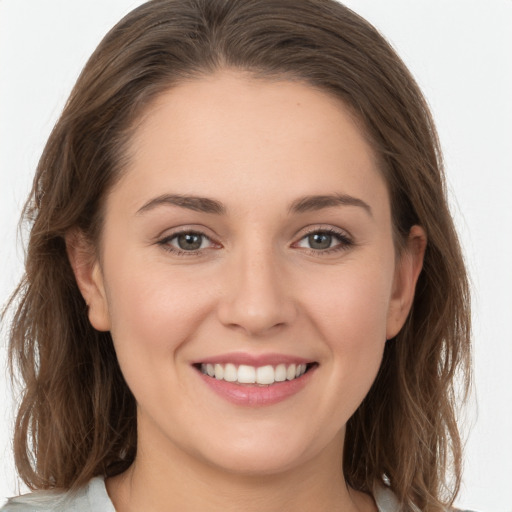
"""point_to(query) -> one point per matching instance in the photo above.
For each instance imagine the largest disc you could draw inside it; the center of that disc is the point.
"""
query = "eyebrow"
(198, 204)
(313, 203)
(207, 205)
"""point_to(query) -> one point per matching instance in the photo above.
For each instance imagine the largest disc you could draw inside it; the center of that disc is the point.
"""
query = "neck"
(175, 480)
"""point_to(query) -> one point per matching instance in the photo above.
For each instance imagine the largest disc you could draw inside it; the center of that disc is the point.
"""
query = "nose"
(258, 297)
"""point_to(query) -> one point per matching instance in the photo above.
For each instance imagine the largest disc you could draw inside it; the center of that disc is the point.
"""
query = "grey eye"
(189, 241)
(320, 240)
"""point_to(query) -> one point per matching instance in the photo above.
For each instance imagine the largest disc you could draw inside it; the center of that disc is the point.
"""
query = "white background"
(461, 53)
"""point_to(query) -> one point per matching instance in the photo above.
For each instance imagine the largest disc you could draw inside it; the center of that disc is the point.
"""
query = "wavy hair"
(77, 417)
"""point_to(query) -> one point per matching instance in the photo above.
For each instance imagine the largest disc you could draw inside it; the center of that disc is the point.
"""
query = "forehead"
(230, 133)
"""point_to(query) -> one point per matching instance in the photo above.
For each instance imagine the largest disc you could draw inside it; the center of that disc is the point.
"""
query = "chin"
(257, 455)
(259, 464)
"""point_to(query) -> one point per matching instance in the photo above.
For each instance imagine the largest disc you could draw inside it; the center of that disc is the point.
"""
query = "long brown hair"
(77, 417)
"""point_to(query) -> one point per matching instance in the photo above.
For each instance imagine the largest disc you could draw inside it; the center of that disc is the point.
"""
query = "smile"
(256, 381)
(246, 374)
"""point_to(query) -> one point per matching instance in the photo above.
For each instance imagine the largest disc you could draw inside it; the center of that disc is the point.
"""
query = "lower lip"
(256, 395)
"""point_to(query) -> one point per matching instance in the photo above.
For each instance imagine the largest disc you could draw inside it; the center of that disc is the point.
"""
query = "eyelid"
(163, 240)
(186, 228)
(345, 238)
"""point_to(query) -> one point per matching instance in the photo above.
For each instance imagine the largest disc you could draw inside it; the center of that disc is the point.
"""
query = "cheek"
(153, 311)
(354, 301)
(351, 316)
(151, 320)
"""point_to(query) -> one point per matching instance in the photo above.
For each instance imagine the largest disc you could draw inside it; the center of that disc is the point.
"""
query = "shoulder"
(386, 501)
(92, 497)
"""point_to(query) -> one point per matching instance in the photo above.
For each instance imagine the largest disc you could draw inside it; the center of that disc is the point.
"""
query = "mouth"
(247, 375)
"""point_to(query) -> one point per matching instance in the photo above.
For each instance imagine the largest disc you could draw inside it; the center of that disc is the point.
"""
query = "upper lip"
(257, 360)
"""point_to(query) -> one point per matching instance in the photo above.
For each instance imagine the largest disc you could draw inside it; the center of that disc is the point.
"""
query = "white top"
(94, 498)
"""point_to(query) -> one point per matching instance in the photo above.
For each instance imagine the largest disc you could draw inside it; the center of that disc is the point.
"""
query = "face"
(248, 274)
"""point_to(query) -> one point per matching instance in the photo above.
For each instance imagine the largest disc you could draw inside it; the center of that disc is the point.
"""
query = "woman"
(244, 289)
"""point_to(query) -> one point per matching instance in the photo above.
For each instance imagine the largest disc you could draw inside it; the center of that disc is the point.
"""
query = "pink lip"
(254, 395)
(238, 358)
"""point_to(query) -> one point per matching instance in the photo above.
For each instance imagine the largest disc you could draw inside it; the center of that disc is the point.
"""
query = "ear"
(407, 271)
(89, 278)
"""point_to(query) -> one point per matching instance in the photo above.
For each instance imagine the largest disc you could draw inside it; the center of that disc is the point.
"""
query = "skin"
(255, 286)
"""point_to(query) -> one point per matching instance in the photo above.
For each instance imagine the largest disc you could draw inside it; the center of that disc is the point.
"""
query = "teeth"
(280, 373)
(230, 373)
(263, 375)
(219, 371)
(246, 374)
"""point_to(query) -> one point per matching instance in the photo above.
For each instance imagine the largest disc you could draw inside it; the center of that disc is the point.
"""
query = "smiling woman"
(254, 294)
(287, 279)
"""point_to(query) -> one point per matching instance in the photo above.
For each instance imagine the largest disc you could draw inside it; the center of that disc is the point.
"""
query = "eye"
(325, 240)
(320, 240)
(186, 242)
(189, 241)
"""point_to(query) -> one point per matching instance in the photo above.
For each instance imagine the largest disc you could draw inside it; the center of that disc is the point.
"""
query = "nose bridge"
(258, 298)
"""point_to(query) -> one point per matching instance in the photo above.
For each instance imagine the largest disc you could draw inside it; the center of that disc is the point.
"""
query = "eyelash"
(165, 242)
(345, 242)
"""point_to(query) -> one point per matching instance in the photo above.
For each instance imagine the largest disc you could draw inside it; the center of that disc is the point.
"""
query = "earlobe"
(89, 279)
(406, 276)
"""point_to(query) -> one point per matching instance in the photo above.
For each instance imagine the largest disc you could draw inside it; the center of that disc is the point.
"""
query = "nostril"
(257, 306)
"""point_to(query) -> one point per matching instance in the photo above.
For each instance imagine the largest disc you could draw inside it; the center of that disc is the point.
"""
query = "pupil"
(189, 241)
(320, 241)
